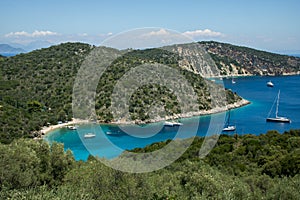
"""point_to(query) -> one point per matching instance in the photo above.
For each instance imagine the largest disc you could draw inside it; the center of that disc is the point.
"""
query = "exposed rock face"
(196, 59)
(242, 61)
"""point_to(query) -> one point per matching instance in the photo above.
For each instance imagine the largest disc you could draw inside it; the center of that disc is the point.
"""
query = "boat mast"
(228, 118)
(277, 104)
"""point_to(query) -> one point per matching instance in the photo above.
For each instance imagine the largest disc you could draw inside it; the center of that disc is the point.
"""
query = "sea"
(111, 140)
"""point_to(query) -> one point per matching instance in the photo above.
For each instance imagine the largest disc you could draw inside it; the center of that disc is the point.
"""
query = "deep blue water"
(248, 119)
(296, 55)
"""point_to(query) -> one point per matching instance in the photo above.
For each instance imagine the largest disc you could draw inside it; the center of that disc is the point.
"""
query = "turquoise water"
(248, 119)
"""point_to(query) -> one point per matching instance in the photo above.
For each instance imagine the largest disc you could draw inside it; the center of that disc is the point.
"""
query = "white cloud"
(33, 34)
(16, 34)
(83, 34)
(146, 38)
(203, 33)
(159, 33)
(43, 33)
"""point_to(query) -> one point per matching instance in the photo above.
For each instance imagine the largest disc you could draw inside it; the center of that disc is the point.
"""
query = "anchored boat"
(277, 118)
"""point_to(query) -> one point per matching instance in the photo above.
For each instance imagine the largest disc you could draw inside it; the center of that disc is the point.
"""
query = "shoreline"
(252, 75)
(238, 104)
(46, 129)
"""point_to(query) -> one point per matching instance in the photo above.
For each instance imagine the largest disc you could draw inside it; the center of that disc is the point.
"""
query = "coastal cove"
(248, 119)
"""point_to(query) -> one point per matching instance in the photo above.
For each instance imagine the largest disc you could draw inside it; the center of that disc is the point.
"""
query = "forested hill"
(36, 87)
(236, 60)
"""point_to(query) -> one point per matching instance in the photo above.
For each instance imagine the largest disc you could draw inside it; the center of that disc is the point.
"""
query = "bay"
(248, 119)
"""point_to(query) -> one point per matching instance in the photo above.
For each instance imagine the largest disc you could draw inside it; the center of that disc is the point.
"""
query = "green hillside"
(36, 88)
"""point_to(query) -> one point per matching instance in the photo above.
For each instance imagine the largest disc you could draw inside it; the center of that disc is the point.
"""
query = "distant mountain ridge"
(7, 49)
(34, 45)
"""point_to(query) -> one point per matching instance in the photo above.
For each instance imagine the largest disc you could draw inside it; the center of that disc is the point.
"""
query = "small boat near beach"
(72, 127)
(114, 133)
(89, 135)
(169, 123)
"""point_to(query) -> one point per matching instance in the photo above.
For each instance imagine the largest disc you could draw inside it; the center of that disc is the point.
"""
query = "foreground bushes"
(239, 167)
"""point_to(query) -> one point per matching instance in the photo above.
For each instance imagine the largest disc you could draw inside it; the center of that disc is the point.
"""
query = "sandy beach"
(47, 129)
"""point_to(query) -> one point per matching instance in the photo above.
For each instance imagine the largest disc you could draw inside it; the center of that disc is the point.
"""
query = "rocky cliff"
(234, 60)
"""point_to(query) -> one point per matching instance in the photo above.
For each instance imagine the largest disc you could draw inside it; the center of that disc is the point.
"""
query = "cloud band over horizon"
(46, 33)
(36, 33)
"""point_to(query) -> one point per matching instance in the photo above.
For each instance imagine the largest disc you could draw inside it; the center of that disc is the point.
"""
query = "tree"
(19, 166)
(61, 116)
(34, 106)
(61, 163)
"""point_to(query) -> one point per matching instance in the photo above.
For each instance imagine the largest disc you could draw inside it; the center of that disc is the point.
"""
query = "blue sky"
(264, 24)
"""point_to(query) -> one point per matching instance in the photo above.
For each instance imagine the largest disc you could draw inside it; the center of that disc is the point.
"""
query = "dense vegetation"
(146, 95)
(36, 88)
(239, 167)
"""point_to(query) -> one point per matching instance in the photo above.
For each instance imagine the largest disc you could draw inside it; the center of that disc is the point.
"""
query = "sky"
(270, 25)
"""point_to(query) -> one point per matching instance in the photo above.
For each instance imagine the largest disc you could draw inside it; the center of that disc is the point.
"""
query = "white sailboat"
(277, 118)
(228, 126)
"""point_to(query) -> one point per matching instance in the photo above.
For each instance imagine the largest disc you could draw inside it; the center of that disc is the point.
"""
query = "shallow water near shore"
(248, 119)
